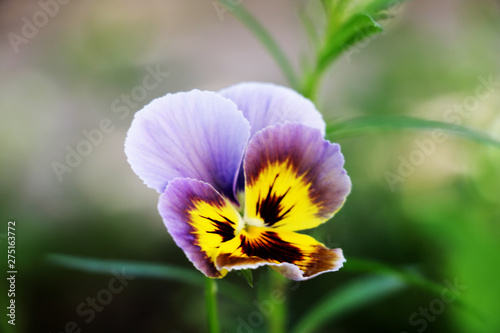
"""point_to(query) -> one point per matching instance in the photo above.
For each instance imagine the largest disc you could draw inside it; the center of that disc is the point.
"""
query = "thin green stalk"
(358, 126)
(265, 38)
(211, 305)
(312, 78)
(148, 270)
(277, 293)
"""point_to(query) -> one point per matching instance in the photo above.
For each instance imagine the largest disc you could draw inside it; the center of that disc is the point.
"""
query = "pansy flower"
(240, 171)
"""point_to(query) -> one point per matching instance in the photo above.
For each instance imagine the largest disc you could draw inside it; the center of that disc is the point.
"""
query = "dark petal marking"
(318, 161)
(323, 259)
(270, 209)
(266, 104)
(270, 246)
(224, 229)
(295, 256)
(176, 205)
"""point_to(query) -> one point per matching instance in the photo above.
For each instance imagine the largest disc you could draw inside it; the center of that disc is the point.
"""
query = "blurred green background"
(77, 68)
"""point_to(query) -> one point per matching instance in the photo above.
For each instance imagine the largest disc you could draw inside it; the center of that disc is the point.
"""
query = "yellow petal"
(279, 198)
(294, 179)
(296, 256)
(200, 220)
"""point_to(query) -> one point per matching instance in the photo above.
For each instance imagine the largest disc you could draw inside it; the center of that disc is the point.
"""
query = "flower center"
(246, 223)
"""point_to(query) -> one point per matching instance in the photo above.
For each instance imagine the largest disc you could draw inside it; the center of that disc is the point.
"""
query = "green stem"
(211, 305)
(309, 88)
(312, 79)
(278, 293)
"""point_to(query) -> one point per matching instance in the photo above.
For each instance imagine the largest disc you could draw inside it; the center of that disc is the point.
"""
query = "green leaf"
(248, 275)
(377, 6)
(356, 29)
(145, 270)
(349, 298)
(239, 11)
(139, 269)
(364, 26)
(375, 124)
(347, 24)
(408, 276)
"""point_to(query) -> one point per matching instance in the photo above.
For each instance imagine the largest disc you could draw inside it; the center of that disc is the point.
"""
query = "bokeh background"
(442, 216)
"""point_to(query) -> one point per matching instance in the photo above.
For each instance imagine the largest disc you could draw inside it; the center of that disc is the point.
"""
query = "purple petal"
(294, 179)
(266, 104)
(200, 220)
(196, 134)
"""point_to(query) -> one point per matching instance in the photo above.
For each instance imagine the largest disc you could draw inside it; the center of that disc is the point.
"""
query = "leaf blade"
(351, 297)
(145, 270)
(408, 276)
(369, 124)
(150, 270)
